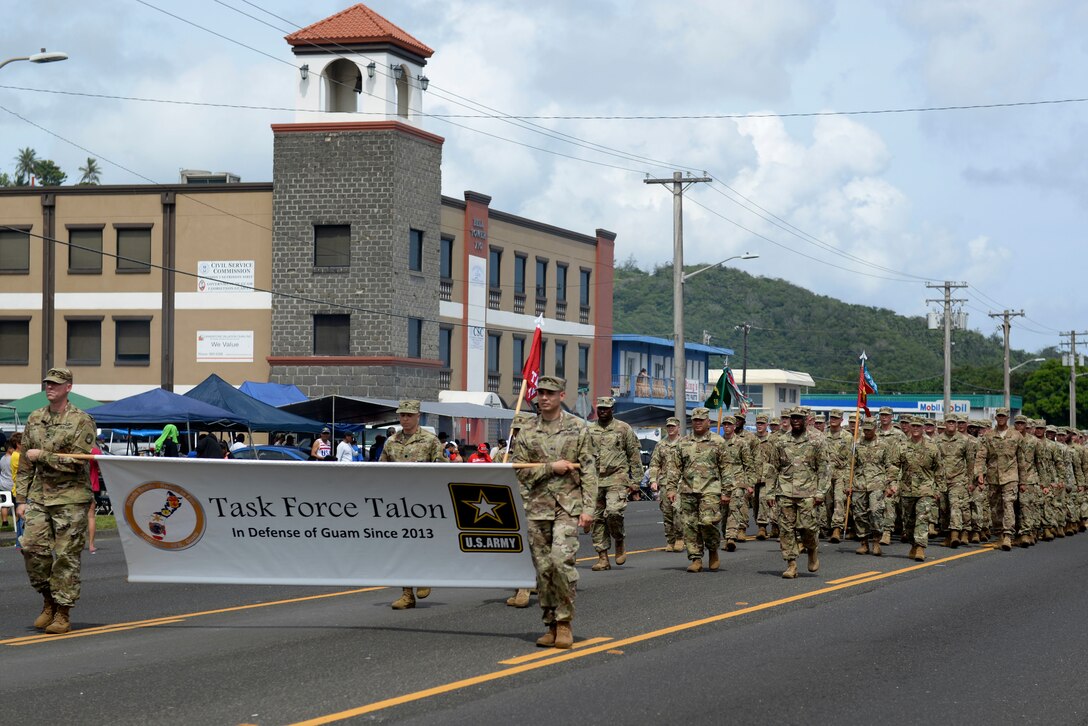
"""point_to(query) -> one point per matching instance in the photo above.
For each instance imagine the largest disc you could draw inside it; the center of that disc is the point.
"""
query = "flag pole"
(517, 410)
(853, 451)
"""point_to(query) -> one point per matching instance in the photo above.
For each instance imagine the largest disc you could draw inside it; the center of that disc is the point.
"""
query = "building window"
(332, 334)
(561, 359)
(583, 364)
(134, 249)
(85, 250)
(415, 250)
(415, 338)
(445, 343)
(445, 264)
(541, 278)
(494, 260)
(519, 274)
(332, 245)
(754, 393)
(544, 356)
(793, 395)
(781, 395)
(133, 342)
(14, 250)
(560, 282)
(15, 341)
(519, 354)
(583, 293)
(85, 342)
(493, 340)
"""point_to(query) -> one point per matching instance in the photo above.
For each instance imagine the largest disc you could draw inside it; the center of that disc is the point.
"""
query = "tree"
(5, 180)
(1046, 394)
(92, 173)
(49, 174)
(24, 166)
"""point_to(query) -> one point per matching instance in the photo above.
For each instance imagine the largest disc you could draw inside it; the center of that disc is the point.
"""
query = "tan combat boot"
(60, 623)
(957, 539)
(1059, 532)
(919, 554)
(696, 565)
(791, 570)
(836, 535)
(548, 639)
(602, 562)
(761, 533)
(947, 540)
(886, 538)
(774, 533)
(933, 530)
(1006, 543)
(910, 554)
(863, 549)
(423, 592)
(974, 537)
(680, 546)
(742, 536)
(564, 638)
(1023, 541)
(405, 601)
(713, 562)
(814, 559)
(876, 548)
(520, 599)
(730, 545)
(621, 553)
(49, 609)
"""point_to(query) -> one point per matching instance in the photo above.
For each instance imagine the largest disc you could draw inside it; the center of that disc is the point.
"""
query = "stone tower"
(356, 203)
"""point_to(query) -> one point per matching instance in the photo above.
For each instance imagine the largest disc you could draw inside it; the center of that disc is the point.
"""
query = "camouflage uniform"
(870, 480)
(803, 469)
(1051, 485)
(890, 438)
(839, 445)
(553, 504)
(57, 492)
(977, 499)
(958, 465)
(698, 466)
(1030, 494)
(915, 468)
(1001, 449)
(619, 469)
(765, 513)
(658, 467)
(739, 473)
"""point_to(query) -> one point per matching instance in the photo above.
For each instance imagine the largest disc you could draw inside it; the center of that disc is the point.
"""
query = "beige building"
(771, 390)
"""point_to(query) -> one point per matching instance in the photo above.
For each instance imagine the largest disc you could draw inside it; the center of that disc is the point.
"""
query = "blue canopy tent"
(274, 394)
(258, 416)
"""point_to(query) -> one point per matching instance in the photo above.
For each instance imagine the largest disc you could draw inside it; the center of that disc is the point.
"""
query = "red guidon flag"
(531, 371)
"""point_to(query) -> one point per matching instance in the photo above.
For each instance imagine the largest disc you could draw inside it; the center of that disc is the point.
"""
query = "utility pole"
(1005, 326)
(679, 364)
(746, 327)
(1072, 335)
(947, 301)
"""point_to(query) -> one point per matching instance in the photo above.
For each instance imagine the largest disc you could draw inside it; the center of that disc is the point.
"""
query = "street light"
(1033, 360)
(43, 57)
(680, 365)
(1007, 384)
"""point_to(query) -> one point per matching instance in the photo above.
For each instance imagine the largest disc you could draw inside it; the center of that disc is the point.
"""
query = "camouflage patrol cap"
(731, 420)
(796, 411)
(916, 420)
(551, 383)
(58, 375)
(700, 413)
(1052, 429)
(885, 409)
(868, 423)
(1002, 411)
(928, 421)
(408, 405)
(835, 413)
(761, 418)
(805, 410)
(606, 402)
(1021, 418)
(1040, 423)
(951, 417)
(672, 421)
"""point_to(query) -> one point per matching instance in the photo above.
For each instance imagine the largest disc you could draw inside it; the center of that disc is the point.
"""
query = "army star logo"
(485, 508)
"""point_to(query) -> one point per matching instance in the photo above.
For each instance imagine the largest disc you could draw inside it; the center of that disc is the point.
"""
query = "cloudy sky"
(865, 208)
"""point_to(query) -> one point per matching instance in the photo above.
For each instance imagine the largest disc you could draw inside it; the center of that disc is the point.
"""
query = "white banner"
(224, 346)
(311, 523)
(225, 275)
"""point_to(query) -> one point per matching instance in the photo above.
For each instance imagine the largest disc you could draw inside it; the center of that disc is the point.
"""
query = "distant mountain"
(797, 329)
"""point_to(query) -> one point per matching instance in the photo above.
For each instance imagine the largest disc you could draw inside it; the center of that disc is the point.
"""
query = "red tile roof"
(357, 24)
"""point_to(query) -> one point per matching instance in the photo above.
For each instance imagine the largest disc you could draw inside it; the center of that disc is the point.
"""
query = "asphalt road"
(971, 635)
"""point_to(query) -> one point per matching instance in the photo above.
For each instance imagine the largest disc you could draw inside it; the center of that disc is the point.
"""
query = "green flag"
(720, 395)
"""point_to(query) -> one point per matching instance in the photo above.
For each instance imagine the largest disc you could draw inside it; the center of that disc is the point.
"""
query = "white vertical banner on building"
(476, 314)
(310, 523)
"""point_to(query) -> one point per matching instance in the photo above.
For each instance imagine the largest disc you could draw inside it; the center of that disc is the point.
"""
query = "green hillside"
(796, 329)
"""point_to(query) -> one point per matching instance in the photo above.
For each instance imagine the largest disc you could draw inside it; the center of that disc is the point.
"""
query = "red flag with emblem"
(531, 371)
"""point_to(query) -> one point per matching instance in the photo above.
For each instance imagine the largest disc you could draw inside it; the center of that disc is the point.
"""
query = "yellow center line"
(629, 552)
(83, 633)
(853, 577)
(24, 640)
(613, 645)
(550, 652)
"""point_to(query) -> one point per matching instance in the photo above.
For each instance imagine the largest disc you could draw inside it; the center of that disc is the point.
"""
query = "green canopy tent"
(23, 407)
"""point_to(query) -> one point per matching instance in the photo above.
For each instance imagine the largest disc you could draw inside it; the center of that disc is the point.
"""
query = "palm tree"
(92, 174)
(25, 162)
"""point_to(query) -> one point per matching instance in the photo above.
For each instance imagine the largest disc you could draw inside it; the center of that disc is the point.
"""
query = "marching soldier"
(674, 534)
(765, 516)
(802, 464)
(840, 441)
(697, 472)
(559, 497)
(1002, 450)
(1031, 463)
(890, 437)
(619, 471)
(957, 464)
(737, 485)
(914, 470)
(868, 490)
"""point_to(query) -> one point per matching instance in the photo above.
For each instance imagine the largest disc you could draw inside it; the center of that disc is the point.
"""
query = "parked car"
(269, 453)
